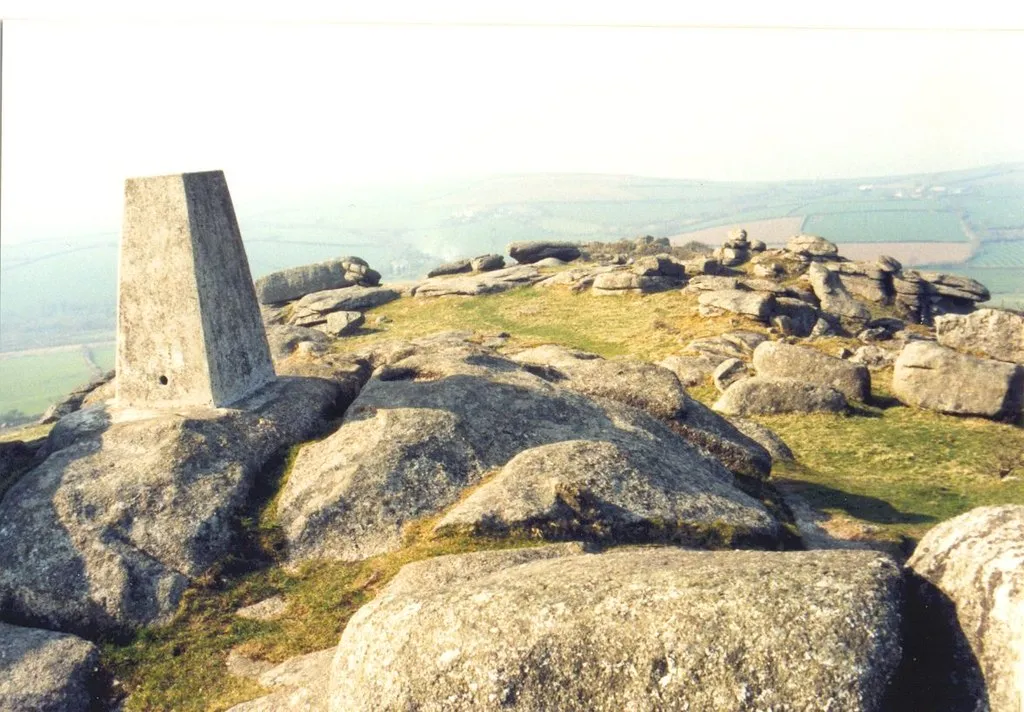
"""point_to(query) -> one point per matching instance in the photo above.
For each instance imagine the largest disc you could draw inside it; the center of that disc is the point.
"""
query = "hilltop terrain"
(629, 474)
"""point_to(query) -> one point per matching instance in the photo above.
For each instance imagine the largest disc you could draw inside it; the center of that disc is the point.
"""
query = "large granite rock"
(299, 684)
(955, 286)
(43, 671)
(105, 534)
(990, 333)
(776, 359)
(456, 267)
(435, 419)
(289, 284)
(762, 395)
(631, 629)
(812, 246)
(484, 283)
(313, 308)
(529, 252)
(932, 376)
(284, 339)
(834, 297)
(973, 566)
(487, 263)
(865, 280)
(756, 305)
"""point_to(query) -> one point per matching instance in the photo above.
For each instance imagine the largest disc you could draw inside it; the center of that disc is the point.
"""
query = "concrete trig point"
(189, 330)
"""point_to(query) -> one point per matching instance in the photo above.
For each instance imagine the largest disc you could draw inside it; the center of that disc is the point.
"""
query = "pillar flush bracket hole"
(163, 380)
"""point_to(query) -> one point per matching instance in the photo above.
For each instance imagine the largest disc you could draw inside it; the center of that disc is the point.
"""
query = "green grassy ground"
(29, 384)
(887, 226)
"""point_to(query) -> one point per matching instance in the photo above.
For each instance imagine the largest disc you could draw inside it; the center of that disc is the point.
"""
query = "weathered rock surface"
(484, 283)
(632, 629)
(266, 610)
(528, 252)
(313, 308)
(659, 266)
(692, 370)
(776, 359)
(990, 333)
(487, 263)
(289, 284)
(728, 372)
(299, 684)
(955, 286)
(433, 421)
(457, 267)
(284, 339)
(801, 316)
(874, 357)
(106, 533)
(625, 491)
(865, 280)
(931, 376)
(761, 395)
(974, 569)
(74, 400)
(812, 246)
(43, 671)
(756, 305)
(341, 323)
(834, 297)
(765, 437)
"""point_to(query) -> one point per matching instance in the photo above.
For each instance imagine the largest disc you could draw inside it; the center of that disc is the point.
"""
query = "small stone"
(268, 609)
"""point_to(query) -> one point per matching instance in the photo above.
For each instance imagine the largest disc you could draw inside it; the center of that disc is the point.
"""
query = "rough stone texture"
(702, 266)
(485, 283)
(728, 372)
(284, 339)
(834, 297)
(955, 286)
(718, 438)
(865, 280)
(313, 308)
(753, 304)
(341, 323)
(711, 283)
(659, 266)
(975, 562)
(764, 396)
(206, 346)
(42, 671)
(931, 376)
(812, 246)
(765, 437)
(990, 333)
(874, 357)
(633, 629)
(692, 370)
(105, 534)
(888, 264)
(457, 267)
(528, 252)
(623, 491)
(618, 282)
(801, 315)
(434, 420)
(300, 684)
(487, 263)
(291, 284)
(779, 360)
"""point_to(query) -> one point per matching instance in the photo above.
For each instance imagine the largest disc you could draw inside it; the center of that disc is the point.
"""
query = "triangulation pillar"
(189, 330)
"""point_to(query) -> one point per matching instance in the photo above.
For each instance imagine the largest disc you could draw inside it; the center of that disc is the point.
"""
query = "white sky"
(285, 107)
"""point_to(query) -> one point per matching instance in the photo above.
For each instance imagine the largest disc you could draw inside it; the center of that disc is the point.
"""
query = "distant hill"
(970, 221)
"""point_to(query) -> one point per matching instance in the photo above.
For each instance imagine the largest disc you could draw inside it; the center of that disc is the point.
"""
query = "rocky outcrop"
(865, 280)
(659, 266)
(812, 246)
(972, 567)
(290, 284)
(74, 400)
(625, 491)
(761, 395)
(834, 297)
(529, 252)
(342, 323)
(755, 305)
(457, 267)
(874, 358)
(642, 629)
(989, 333)
(313, 309)
(728, 372)
(776, 359)
(922, 296)
(485, 283)
(436, 418)
(105, 534)
(487, 263)
(284, 339)
(794, 317)
(42, 671)
(932, 376)
(766, 438)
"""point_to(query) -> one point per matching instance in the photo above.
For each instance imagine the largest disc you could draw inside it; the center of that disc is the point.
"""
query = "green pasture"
(887, 226)
(30, 384)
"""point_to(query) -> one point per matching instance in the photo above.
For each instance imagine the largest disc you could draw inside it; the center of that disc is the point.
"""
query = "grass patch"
(650, 326)
(30, 384)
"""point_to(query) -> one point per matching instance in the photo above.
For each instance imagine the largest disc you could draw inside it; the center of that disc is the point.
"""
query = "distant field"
(774, 231)
(911, 254)
(887, 226)
(30, 384)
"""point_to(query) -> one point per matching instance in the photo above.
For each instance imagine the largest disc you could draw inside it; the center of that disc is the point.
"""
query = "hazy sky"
(286, 107)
